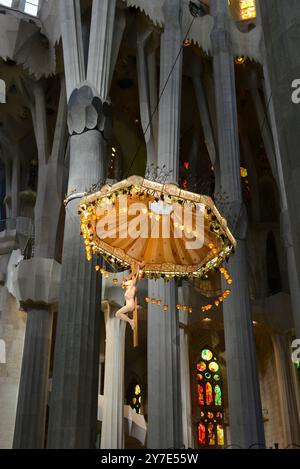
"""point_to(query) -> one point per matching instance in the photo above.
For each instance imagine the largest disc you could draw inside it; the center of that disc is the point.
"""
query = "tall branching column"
(164, 397)
(38, 277)
(73, 405)
(246, 424)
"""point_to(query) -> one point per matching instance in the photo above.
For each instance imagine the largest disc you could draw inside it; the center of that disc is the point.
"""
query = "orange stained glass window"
(200, 395)
(201, 434)
(208, 394)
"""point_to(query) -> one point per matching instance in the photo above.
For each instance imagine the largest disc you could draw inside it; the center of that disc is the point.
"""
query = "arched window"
(134, 396)
(31, 7)
(210, 428)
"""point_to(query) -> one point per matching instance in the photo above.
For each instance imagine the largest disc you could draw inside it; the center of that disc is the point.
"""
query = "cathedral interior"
(203, 89)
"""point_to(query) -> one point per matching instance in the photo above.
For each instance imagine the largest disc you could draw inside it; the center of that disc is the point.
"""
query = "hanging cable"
(159, 98)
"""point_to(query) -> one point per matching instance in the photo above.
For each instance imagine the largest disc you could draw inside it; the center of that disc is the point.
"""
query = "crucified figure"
(130, 295)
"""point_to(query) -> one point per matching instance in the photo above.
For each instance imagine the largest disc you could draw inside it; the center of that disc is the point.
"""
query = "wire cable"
(159, 98)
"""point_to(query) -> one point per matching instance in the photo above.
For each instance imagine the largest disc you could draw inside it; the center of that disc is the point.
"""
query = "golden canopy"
(170, 231)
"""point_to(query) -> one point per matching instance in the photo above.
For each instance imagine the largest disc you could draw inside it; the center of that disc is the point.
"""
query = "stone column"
(246, 424)
(7, 187)
(285, 218)
(288, 403)
(187, 438)
(33, 390)
(112, 433)
(185, 388)
(12, 331)
(15, 184)
(36, 286)
(38, 298)
(147, 84)
(282, 63)
(73, 406)
(164, 396)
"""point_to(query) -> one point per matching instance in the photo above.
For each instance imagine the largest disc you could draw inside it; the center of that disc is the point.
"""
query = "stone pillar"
(73, 406)
(285, 219)
(288, 403)
(7, 187)
(38, 297)
(282, 63)
(15, 185)
(187, 438)
(36, 287)
(12, 331)
(112, 433)
(147, 84)
(33, 390)
(185, 388)
(164, 395)
(286, 236)
(246, 424)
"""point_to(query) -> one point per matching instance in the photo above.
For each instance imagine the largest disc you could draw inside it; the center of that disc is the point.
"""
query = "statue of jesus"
(130, 295)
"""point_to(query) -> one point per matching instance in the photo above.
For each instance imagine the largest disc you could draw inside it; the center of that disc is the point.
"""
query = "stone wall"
(269, 391)
(12, 331)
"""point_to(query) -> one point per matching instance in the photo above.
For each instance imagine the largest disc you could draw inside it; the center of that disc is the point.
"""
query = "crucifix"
(131, 305)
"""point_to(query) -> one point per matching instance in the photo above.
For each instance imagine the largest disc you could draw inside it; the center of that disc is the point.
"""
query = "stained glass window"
(218, 396)
(210, 427)
(200, 395)
(208, 394)
(134, 396)
(248, 9)
(206, 354)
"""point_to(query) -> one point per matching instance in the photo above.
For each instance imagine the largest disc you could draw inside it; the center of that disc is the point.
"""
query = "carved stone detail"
(86, 111)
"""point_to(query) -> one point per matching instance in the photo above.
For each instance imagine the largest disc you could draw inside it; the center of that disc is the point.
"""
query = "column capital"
(36, 281)
(86, 111)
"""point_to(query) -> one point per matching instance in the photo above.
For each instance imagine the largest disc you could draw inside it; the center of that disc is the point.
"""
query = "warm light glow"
(241, 59)
(244, 172)
(248, 9)
(187, 43)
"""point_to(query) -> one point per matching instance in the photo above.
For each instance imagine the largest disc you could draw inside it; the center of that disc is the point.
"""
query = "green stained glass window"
(218, 396)
(206, 354)
(210, 426)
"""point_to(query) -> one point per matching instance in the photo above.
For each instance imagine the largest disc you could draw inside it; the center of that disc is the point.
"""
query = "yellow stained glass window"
(248, 9)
